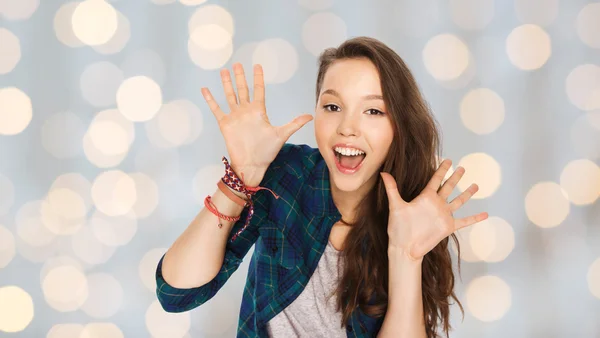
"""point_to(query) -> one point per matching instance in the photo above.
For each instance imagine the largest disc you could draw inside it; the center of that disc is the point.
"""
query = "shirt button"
(274, 248)
(349, 327)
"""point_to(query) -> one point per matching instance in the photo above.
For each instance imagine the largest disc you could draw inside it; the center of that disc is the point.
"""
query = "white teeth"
(349, 151)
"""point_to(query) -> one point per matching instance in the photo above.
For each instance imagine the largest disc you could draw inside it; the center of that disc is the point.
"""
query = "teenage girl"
(351, 239)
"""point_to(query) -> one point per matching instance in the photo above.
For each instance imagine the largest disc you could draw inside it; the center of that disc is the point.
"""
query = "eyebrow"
(366, 97)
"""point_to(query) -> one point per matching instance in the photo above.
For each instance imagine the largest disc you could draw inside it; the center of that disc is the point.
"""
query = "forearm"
(196, 257)
(404, 317)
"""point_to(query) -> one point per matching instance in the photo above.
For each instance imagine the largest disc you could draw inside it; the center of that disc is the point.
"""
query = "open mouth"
(347, 160)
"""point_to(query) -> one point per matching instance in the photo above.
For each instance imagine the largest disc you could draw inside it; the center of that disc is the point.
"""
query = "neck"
(348, 201)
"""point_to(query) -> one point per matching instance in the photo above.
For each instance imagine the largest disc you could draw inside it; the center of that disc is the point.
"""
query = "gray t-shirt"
(313, 313)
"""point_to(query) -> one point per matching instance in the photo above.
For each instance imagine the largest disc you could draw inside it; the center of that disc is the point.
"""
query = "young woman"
(364, 217)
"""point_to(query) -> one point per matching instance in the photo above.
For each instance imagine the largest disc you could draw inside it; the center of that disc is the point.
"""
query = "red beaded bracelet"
(213, 208)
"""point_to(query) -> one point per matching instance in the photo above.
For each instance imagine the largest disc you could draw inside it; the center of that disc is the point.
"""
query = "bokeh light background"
(107, 149)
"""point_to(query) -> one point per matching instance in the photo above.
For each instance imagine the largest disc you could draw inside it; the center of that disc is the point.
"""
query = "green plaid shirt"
(290, 235)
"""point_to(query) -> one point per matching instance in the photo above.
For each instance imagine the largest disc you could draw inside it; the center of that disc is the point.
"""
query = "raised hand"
(252, 142)
(417, 227)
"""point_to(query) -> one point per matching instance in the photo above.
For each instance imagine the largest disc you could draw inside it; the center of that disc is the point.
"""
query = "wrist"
(251, 177)
(400, 254)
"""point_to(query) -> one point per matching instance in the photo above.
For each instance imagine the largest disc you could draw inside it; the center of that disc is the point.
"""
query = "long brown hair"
(413, 158)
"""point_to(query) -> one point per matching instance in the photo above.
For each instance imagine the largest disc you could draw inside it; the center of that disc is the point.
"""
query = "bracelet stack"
(231, 180)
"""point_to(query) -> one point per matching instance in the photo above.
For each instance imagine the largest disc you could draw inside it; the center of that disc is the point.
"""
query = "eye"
(375, 112)
(328, 107)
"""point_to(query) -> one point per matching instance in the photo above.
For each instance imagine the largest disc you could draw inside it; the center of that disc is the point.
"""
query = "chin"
(346, 184)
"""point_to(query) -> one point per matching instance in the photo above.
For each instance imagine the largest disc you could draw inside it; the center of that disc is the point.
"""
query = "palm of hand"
(252, 142)
(417, 227)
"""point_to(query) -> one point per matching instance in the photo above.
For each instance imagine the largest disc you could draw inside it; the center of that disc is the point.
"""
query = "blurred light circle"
(547, 204)
(446, 57)
(482, 110)
(488, 298)
(63, 211)
(492, 240)
(97, 157)
(139, 98)
(482, 169)
(18, 9)
(278, 58)
(322, 30)
(7, 247)
(528, 47)
(211, 14)
(104, 330)
(162, 324)
(209, 59)
(147, 195)
(210, 37)
(119, 40)
(15, 111)
(593, 278)
(114, 193)
(65, 331)
(29, 224)
(109, 137)
(147, 267)
(588, 25)
(16, 309)
(65, 288)
(77, 183)
(63, 27)
(59, 261)
(171, 127)
(10, 53)
(94, 22)
(581, 180)
(583, 86)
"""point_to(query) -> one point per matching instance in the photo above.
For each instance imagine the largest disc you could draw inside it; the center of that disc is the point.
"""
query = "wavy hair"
(412, 161)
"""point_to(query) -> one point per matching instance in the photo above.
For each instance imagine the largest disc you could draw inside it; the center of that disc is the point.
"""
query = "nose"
(349, 125)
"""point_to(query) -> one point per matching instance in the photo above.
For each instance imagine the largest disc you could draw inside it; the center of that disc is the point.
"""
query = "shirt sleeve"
(174, 299)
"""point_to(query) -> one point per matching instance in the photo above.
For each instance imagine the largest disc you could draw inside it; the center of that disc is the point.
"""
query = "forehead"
(352, 75)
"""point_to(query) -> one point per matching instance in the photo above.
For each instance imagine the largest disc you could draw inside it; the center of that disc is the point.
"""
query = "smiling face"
(351, 118)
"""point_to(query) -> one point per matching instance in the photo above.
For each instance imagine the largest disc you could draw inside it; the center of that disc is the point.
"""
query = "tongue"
(351, 162)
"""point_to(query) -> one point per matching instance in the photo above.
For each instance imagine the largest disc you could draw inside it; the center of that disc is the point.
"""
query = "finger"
(240, 82)
(287, 130)
(228, 87)
(450, 183)
(439, 175)
(212, 104)
(259, 84)
(461, 199)
(391, 188)
(467, 221)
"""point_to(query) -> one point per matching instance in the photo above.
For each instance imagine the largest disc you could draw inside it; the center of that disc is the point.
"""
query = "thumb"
(287, 130)
(391, 188)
